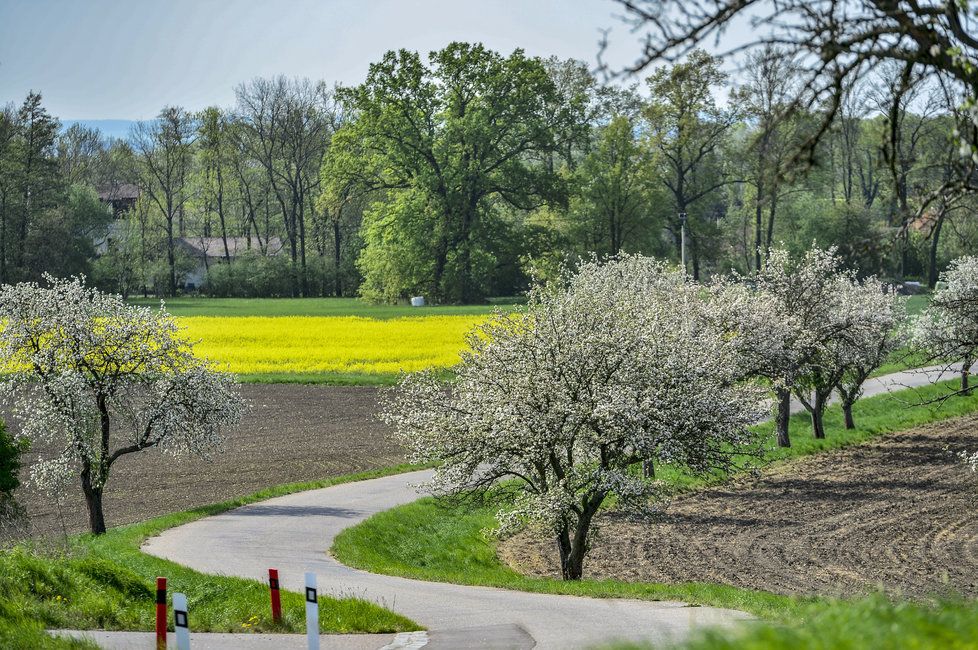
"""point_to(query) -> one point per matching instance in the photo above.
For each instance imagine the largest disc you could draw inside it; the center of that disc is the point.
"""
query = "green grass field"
(105, 582)
(429, 540)
(228, 307)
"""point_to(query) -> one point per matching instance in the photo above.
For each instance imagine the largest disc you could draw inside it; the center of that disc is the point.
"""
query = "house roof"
(213, 247)
(118, 191)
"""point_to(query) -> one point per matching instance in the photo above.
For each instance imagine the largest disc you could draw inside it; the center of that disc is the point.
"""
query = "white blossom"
(948, 328)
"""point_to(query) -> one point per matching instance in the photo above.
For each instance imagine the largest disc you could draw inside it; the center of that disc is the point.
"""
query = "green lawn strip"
(194, 306)
(872, 622)
(430, 540)
(904, 359)
(105, 582)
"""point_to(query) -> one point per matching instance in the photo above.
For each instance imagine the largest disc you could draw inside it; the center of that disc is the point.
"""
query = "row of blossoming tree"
(625, 364)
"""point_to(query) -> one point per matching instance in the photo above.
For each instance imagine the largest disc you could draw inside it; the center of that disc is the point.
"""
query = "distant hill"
(109, 128)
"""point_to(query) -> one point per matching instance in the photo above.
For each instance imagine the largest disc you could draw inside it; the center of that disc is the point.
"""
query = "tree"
(37, 184)
(863, 319)
(948, 328)
(284, 126)
(785, 318)
(443, 144)
(558, 404)
(843, 41)
(765, 98)
(613, 184)
(104, 379)
(686, 131)
(80, 152)
(879, 336)
(214, 150)
(164, 154)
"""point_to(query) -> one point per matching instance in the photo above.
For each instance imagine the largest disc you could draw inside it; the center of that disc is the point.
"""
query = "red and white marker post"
(276, 599)
(161, 614)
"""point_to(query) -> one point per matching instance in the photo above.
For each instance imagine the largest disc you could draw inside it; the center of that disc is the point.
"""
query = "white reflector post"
(180, 623)
(312, 612)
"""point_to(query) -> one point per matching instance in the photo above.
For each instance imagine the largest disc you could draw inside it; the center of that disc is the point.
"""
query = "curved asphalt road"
(293, 533)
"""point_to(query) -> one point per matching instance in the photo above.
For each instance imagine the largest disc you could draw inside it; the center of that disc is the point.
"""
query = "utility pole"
(682, 239)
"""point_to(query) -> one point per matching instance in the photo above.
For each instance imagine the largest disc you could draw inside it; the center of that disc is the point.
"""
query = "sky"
(114, 59)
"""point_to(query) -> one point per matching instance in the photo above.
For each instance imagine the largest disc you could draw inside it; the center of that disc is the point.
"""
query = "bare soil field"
(291, 433)
(897, 515)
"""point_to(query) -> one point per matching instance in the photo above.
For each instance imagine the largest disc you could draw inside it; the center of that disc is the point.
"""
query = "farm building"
(207, 251)
(121, 196)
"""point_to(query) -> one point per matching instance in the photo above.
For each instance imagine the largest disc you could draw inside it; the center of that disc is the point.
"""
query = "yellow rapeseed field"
(326, 344)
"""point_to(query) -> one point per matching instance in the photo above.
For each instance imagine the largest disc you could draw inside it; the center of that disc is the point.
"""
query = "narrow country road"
(293, 534)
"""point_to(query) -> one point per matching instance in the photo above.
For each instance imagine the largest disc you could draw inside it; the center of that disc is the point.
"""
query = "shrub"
(10, 463)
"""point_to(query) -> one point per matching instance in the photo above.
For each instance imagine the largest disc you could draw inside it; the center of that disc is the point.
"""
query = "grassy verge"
(431, 541)
(873, 622)
(903, 359)
(105, 582)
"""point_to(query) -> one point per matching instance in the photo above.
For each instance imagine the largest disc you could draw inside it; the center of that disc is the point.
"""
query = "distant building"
(207, 251)
(121, 196)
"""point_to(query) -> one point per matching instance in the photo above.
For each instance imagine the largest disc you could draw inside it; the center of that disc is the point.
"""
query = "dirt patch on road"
(898, 514)
(291, 433)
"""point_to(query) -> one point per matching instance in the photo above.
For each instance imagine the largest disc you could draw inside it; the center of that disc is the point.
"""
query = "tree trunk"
(782, 417)
(965, 373)
(3, 238)
(93, 498)
(648, 469)
(170, 253)
(220, 214)
(847, 413)
(935, 236)
(337, 277)
(818, 410)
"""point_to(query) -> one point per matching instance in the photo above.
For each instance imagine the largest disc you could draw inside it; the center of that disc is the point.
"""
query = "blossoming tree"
(879, 331)
(948, 328)
(802, 325)
(862, 316)
(559, 404)
(104, 379)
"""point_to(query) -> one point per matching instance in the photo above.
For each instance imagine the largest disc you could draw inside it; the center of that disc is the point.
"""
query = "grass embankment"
(430, 541)
(873, 622)
(105, 582)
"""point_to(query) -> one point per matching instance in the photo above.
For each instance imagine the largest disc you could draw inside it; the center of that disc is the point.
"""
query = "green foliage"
(613, 212)
(250, 276)
(10, 463)
(444, 142)
(445, 541)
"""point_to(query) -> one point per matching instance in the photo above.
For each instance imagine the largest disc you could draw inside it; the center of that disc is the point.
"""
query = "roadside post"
(312, 612)
(160, 613)
(276, 598)
(180, 624)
